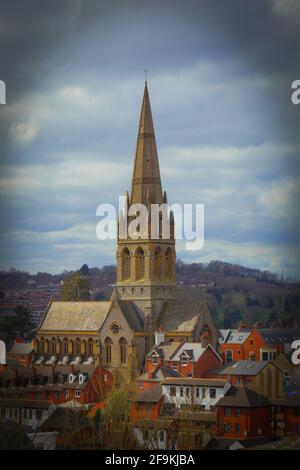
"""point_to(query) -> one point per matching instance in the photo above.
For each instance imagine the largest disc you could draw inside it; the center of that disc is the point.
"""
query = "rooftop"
(243, 397)
(195, 381)
(242, 368)
(75, 316)
(151, 396)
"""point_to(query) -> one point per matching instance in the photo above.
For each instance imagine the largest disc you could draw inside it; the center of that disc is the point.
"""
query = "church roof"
(181, 315)
(132, 314)
(146, 181)
(75, 316)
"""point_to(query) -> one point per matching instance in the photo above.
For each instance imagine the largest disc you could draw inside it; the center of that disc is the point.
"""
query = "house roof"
(182, 315)
(223, 333)
(223, 443)
(166, 349)
(195, 381)
(293, 400)
(23, 403)
(242, 368)
(159, 374)
(22, 348)
(287, 443)
(234, 336)
(75, 316)
(244, 398)
(193, 350)
(279, 335)
(151, 395)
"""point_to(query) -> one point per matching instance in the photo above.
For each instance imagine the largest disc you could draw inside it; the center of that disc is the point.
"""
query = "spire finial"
(145, 71)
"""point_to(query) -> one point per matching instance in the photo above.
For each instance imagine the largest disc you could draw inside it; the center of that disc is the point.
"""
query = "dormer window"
(154, 359)
(81, 378)
(183, 360)
(72, 378)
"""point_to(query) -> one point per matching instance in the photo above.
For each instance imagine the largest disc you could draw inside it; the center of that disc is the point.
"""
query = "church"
(117, 334)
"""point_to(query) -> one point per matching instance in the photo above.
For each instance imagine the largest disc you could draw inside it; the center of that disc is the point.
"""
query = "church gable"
(179, 315)
(122, 339)
(191, 318)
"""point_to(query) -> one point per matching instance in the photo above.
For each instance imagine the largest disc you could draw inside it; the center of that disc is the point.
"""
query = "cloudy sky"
(219, 79)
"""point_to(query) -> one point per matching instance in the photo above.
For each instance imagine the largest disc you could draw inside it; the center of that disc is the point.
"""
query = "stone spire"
(146, 183)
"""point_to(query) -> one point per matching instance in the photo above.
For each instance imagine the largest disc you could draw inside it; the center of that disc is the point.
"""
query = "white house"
(202, 393)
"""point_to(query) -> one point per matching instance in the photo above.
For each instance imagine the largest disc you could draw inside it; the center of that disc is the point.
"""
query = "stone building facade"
(118, 333)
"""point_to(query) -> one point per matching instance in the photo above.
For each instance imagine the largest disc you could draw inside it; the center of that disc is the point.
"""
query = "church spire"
(146, 181)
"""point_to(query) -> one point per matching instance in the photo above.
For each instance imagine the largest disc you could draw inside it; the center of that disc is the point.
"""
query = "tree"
(85, 271)
(115, 420)
(20, 324)
(75, 288)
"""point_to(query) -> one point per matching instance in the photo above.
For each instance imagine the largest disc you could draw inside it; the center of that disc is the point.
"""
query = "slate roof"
(236, 336)
(23, 403)
(166, 349)
(194, 351)
(242, 368)
(181, 314)
(132, 314)
(151, 396)
(244, 398)
(22, 348)
(75, 316)
(279, 335)
(223, 334)
(223, 443)
(195, 381)
(287, 443)
(160, 373)
(293, 400)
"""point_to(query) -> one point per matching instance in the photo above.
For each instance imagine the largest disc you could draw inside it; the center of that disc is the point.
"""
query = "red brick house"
(147, 404)
(242, 413)
(286, 415)
(262, 344)
(83, 384)
(184, 359)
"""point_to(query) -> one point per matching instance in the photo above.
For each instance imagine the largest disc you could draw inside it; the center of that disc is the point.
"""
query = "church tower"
(146, 265)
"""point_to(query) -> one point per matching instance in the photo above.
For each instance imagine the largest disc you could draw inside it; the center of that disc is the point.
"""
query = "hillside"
(234, 293)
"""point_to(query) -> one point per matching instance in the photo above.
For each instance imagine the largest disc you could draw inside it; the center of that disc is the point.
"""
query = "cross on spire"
(146, 71)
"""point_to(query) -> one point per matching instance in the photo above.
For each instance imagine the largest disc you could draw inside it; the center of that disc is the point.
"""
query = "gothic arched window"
(140, 263)
(77, 346)
(84, 347)
(71, 345)
(108, 350)
(157, 263)
(53, 345)
(115, 328)
(125, 264)
(42, 346)
(123, 350)
(47, 346)
(168, 264)
(65, 346)
(90, 347)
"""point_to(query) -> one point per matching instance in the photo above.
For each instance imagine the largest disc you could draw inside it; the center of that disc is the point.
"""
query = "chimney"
(159, 337)
(204, 340)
